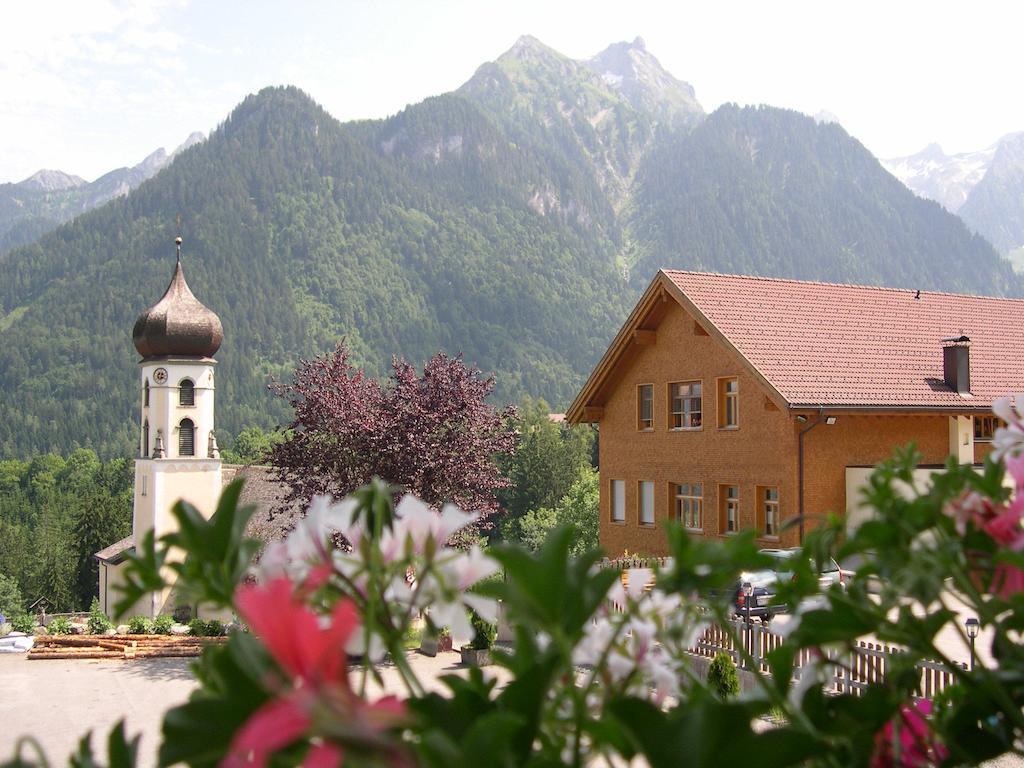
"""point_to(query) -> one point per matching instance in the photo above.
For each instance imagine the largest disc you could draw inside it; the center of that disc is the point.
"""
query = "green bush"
(59, 626)
(485, 633)
(200, 628)
(23, 623)
(98, 622)
(722, 676)
(140, 625)
(162, 624)
(215, 628)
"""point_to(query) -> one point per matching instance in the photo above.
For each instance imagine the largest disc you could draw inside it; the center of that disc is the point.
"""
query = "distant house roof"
(839, 346)
(260, 489)
(115, 553)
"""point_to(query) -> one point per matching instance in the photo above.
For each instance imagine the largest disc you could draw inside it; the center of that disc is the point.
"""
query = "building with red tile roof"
(737, 402)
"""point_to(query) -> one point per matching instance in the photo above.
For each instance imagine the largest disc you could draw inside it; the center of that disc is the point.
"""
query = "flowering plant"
(603, 670)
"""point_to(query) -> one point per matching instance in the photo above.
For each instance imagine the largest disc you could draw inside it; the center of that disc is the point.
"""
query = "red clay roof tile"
(844, 345)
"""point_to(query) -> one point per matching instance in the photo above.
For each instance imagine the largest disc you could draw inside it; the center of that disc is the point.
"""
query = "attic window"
(645, 407)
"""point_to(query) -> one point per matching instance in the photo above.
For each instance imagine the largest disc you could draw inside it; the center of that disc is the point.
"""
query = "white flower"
(1009, 440)
(418, 522)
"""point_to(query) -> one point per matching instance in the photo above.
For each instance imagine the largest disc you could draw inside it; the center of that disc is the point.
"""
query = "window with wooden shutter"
(186, 438)
(186, 393)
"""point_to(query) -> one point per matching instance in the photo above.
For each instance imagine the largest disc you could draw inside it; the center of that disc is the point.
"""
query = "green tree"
(550, 457)
(578, 508)
(252, 446)
(99, 521)
(11, 603)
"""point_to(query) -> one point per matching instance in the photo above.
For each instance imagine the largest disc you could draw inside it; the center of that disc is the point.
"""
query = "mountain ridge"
(513, 220)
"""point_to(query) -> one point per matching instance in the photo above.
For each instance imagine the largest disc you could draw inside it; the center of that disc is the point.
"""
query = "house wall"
(760, 452)
(855, 441)
(763, 451)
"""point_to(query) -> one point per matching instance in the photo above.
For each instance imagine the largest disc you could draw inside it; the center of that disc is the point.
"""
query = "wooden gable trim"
(624, 339)
(632, 335)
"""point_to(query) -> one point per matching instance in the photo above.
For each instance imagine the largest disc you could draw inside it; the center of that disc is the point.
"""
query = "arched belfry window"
(145, 437)
(186, 392)
(145, 393)
(186, 438)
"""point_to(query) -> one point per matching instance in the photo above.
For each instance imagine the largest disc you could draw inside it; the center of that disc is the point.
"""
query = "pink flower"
(312, 656)
(907, 740)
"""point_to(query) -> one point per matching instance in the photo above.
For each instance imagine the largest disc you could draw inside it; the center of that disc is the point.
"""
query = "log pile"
(119, 646)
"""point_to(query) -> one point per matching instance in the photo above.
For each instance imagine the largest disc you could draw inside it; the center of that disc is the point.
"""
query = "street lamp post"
(973, 628)
(748, 591)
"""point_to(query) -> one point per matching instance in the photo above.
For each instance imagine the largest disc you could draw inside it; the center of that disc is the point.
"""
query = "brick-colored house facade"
(703, 396)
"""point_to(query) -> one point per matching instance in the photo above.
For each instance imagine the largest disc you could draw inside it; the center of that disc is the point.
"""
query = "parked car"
(830, 573)
(760, 603)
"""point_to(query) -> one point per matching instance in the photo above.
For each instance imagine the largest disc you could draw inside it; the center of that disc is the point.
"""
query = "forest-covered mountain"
(515, 220)
(46, 199)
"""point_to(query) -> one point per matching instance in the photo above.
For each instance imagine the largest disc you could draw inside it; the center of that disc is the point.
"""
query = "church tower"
(178, 457)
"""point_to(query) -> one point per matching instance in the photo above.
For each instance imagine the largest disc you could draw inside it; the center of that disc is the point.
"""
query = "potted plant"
(431, 644)
(478, 652)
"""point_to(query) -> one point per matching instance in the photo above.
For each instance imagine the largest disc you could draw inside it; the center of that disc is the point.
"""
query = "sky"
(87, 86)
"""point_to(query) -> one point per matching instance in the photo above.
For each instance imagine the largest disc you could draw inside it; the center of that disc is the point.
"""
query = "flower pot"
(475, 657)
(431, 646)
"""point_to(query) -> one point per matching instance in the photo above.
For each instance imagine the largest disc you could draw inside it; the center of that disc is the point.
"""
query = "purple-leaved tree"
(433, 434)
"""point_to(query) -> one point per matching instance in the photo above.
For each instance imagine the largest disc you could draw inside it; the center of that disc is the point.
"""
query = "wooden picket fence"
(851, 672)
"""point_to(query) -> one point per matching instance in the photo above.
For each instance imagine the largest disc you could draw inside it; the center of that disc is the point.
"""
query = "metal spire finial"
(177, 240)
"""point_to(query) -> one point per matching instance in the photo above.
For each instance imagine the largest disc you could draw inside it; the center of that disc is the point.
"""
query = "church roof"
(271, 520)
(179, 324)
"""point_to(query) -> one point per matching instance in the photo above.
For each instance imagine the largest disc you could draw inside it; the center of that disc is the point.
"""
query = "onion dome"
(178, 324)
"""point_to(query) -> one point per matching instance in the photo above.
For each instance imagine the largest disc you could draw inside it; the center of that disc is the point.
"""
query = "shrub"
(200, 628)
(215, 628)
(140, 625)
(59, 626)
(485, 633)
(722, 676)
(98, 622)
(162, 624)
(23, 623)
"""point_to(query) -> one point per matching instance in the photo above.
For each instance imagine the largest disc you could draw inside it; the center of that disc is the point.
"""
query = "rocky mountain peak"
(639, 77)
(52, 181)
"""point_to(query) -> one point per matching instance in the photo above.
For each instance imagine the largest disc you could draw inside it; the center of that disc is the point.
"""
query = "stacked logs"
(119, 646)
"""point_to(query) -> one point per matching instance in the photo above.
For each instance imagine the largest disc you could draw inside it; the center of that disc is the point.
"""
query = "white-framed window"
(618, 489)
(685, 397)
(769, 511)
(690, 505)
(646, 502)
(728, 508)
(645, 407)
(728, 403)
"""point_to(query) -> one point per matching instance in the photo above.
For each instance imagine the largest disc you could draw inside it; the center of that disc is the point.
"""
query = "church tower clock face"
(160, 375)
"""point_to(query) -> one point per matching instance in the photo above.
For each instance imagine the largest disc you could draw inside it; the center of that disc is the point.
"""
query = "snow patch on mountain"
(947, 179)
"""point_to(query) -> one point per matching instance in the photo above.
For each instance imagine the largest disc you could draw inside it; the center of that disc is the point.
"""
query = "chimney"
(956, 364)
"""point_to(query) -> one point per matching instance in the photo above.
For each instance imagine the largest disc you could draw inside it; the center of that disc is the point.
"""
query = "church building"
(178, 455)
